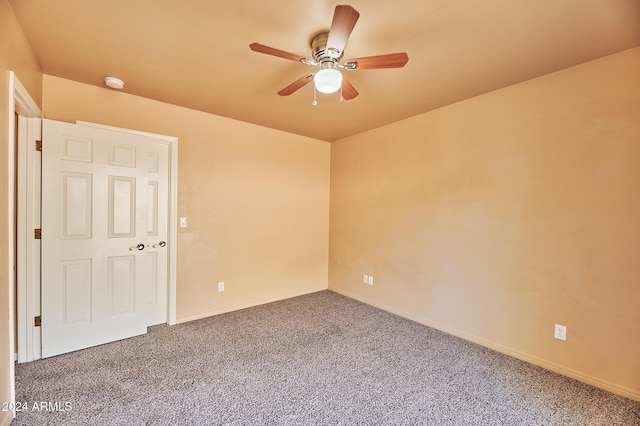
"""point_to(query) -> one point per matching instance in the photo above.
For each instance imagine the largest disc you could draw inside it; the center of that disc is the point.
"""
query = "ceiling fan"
(327, 50)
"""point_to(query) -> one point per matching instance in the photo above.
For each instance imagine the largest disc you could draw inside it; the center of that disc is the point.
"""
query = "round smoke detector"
(114, 83)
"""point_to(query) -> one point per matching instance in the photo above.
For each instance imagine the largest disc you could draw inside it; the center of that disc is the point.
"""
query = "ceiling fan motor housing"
(319, 49)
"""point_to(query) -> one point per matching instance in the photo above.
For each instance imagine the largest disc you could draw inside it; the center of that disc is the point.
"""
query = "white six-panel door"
(98, 236)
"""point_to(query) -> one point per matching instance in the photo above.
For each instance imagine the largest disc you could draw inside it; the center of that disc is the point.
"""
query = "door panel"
(94, 277)
(76, 205)
(122, 279)
(76, 285)
(122, 207)
(152, 209)
(157, 231)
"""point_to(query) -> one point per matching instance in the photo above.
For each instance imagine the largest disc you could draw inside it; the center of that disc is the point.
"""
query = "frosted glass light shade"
(328, 80)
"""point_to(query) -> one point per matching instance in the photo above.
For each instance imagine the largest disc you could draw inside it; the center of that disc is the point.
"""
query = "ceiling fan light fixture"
(328, 79)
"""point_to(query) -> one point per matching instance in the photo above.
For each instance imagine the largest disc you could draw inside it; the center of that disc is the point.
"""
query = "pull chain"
(315, 102)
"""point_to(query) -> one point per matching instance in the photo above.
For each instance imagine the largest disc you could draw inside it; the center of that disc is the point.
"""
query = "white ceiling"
(195, 53)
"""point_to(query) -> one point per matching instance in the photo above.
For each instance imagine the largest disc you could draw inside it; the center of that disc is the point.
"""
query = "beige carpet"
(317, 359)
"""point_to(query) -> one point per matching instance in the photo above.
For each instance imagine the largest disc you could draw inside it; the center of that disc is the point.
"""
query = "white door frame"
(28, 248)
(22, 103)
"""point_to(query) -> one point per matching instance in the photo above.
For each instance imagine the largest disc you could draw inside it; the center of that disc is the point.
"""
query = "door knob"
(138, 246)
(160, 244)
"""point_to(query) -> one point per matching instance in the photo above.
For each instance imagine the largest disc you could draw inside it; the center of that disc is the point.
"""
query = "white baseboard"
(547, 365)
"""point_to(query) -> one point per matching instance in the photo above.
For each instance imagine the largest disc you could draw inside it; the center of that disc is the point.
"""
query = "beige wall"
(256, 199)
(498, 216)
(16, 56)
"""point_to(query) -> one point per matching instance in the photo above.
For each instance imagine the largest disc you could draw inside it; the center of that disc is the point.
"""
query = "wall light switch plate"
(183, 222)
(370, 282)
(221, 286)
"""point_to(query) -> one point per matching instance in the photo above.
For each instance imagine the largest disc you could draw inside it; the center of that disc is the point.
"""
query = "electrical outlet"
(221, 286)
(183, 222)
(560, 332)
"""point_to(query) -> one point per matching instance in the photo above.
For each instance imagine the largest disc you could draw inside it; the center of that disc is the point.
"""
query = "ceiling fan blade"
(296, 85)
(257, 47)
(344, 19)
(392, 60)
(348, 91)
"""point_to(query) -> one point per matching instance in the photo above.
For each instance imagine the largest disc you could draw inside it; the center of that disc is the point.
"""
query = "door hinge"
(37, 321)
(38, 145)
(37, 234)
